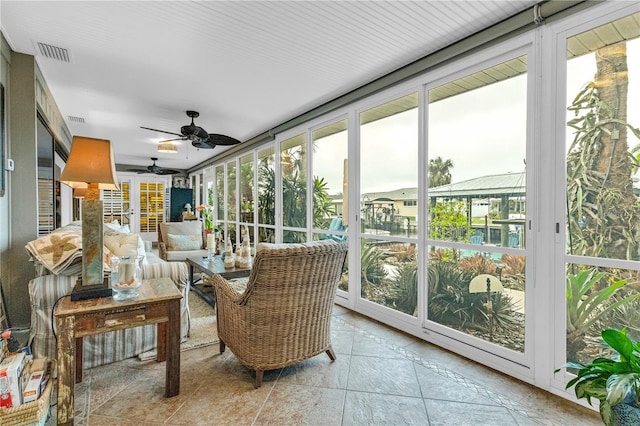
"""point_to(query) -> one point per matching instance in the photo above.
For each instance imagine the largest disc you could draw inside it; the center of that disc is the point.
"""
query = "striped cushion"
(103, 348)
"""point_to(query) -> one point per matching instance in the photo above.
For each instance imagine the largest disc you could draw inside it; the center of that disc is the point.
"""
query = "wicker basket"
(31, 413)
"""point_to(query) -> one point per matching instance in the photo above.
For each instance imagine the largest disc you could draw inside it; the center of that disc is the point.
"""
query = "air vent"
(77, 120)
(54, 52)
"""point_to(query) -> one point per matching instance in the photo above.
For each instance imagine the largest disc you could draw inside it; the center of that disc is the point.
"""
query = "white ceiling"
(246, 66)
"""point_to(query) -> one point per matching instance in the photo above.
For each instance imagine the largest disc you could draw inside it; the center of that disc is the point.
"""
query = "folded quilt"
(59, 251)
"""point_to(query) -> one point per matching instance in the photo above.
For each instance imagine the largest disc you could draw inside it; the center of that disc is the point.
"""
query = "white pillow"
(122, 244)
(115, 225)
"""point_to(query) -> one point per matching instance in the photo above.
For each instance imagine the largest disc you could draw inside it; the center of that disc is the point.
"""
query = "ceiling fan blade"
(172, 140)
(138, 170)
(203, 144)
(161, 131)
(161, 171)
(218, 139)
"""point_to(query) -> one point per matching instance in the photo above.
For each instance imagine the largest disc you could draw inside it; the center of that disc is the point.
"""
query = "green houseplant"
(613, 381)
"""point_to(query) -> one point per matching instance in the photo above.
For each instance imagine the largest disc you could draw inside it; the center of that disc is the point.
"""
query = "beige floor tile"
(291, 404)
(464, 414)
(318, 372)
(220, 402)
(369, 344)
(383, 375)
(450, 387)
(362, 408)
(561, 411)
(342, 341)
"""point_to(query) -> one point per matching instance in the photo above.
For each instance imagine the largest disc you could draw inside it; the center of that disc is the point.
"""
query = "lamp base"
(93, 291)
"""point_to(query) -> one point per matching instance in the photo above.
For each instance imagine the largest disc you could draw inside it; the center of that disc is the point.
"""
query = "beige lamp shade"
(91, 161)
(479, 284)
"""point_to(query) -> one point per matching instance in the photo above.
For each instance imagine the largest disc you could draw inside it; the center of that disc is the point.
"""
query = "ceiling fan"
(155, 169)
(197, 135)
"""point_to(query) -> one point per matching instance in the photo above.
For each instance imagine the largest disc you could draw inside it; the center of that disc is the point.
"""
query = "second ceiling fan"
(199, 137)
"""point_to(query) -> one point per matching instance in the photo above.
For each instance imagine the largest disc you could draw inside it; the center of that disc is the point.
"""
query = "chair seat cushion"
(183, 254)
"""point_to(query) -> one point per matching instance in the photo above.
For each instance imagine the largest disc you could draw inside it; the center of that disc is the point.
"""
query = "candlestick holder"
(212, 254)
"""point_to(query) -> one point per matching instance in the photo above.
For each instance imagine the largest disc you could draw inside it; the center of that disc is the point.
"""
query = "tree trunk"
(613, 163)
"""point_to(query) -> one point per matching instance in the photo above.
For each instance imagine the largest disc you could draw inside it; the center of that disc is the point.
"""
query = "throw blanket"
(59, 252)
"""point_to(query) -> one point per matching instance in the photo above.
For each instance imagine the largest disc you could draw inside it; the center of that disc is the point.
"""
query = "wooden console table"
(158, 303)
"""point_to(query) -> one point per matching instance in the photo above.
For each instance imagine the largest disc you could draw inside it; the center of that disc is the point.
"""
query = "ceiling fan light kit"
(167, 147)
(197, 135)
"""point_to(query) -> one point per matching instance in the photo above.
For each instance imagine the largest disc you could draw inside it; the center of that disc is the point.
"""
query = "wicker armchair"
(284, 314)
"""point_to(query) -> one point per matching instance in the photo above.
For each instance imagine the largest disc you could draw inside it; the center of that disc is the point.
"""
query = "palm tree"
(439, 172)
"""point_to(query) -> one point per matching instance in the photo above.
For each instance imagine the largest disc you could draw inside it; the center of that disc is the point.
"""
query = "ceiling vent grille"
(77, 120)
(54, 52)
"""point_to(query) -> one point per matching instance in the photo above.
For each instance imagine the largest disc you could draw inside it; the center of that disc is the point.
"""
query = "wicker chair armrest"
(223, 289)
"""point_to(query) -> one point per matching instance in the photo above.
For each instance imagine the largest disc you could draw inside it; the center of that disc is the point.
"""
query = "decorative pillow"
(124, 244)
(184, 242)
(115, 225)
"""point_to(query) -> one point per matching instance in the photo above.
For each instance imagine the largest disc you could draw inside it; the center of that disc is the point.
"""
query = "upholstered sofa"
(57, 261)
(179, 240)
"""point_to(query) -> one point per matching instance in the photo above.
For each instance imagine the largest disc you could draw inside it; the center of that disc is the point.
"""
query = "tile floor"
(380, 377)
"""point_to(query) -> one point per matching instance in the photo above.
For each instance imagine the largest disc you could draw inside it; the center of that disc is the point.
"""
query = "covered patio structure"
(503, 195)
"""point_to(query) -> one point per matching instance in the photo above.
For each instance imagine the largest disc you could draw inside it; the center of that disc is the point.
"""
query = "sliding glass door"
(388, 177)
(602, 152)
(477, 211)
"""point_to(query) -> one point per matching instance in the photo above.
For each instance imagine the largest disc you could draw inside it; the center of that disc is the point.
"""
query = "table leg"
(191, 275)
(172, 380)
(66, 369)
(79, 359)
(161, 342)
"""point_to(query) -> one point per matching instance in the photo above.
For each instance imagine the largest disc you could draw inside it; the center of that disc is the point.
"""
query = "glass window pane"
(246, 189)
(220, 193)
(389, 275)
(389, 167)
(266, 235)
(330, 193)
(477, 157)
(610, 297)
(266, 189)
(293, 162)
(293, 237)
(602, 152)
(231, 191)
(457, 295)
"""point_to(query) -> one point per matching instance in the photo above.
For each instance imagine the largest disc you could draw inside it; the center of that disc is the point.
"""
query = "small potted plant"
(613, 381)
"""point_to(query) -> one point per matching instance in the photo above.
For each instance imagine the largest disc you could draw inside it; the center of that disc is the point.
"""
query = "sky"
(482, 131)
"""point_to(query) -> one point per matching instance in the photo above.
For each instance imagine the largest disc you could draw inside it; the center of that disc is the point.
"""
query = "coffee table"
(210, 267)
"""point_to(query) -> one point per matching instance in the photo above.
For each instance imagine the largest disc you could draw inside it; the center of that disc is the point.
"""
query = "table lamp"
(91, 166)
